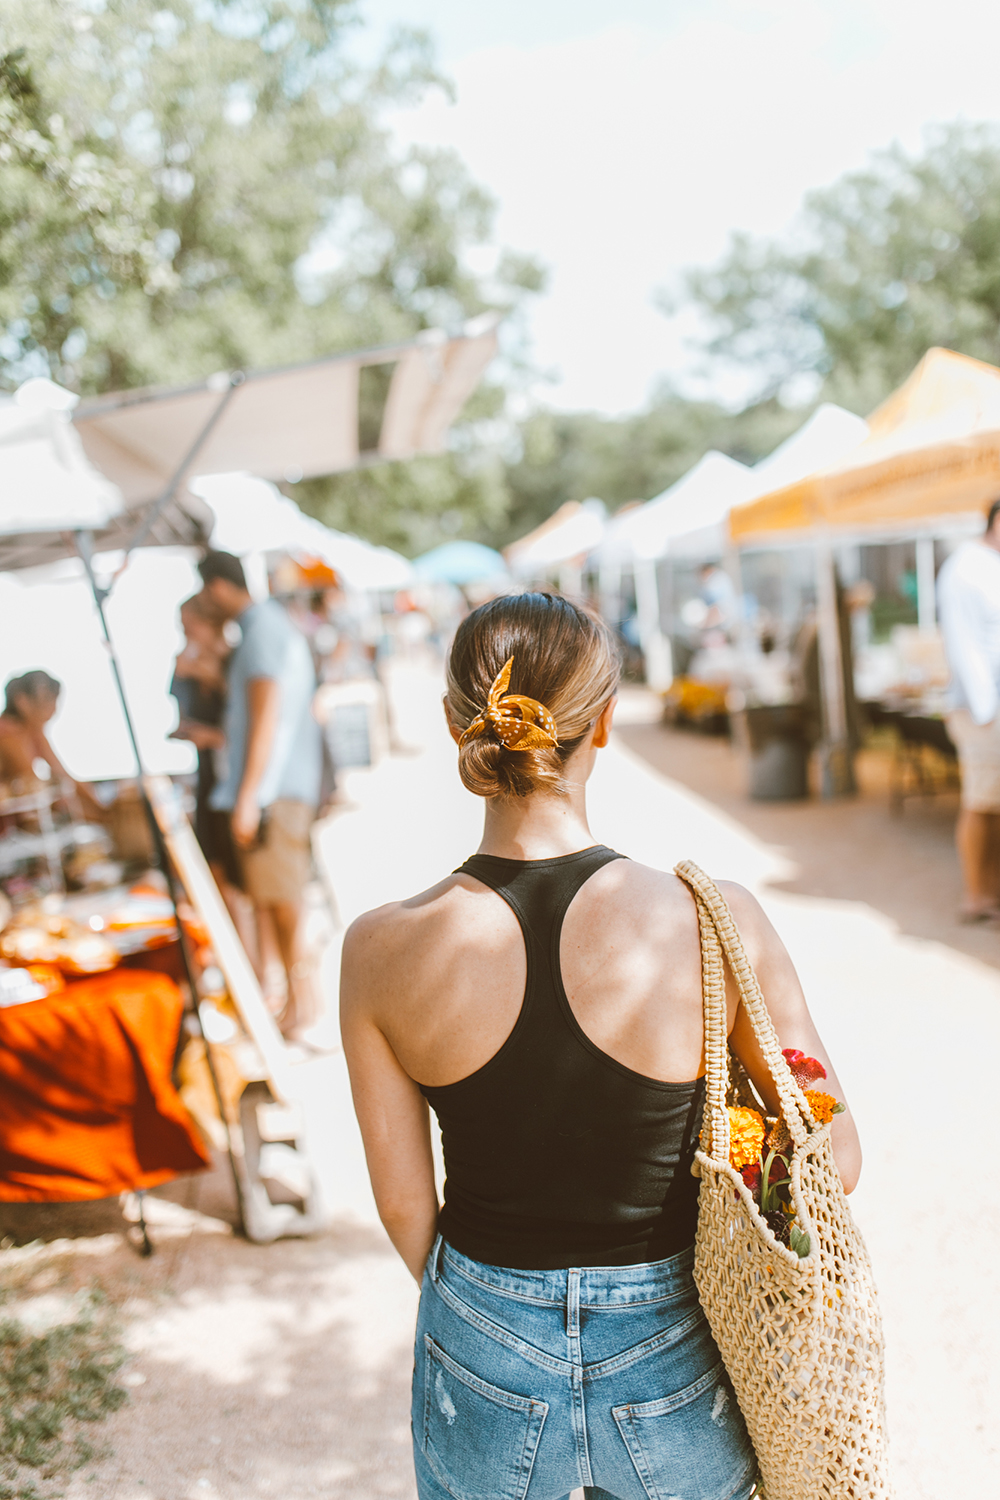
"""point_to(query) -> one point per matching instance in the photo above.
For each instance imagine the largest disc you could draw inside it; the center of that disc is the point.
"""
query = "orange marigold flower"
(823, 1106)
(746, 1136)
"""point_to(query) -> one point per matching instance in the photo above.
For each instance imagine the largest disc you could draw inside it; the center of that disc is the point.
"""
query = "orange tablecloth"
(87, 1106)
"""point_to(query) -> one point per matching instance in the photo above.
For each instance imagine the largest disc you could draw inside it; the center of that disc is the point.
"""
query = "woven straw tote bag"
(801, 1338)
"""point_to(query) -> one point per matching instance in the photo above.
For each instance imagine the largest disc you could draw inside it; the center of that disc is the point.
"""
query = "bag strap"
(720, 935)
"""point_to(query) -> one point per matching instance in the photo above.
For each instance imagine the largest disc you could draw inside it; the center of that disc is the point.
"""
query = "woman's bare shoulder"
(639, 894)
(397, 940)
(385, 926)
(626, 881)
(625, 900)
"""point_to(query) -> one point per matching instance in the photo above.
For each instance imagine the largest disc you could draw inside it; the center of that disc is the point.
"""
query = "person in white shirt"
(969, 610)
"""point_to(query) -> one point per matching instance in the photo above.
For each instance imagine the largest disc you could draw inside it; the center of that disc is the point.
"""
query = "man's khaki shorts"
(279, 870)
(978, 747)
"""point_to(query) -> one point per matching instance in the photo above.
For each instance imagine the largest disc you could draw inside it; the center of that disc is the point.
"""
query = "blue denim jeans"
(529, 1384)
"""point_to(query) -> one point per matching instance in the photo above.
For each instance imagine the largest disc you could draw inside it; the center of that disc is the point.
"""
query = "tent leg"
(83, 542)
(233, 381)
(571, 580)
(742, 633)
(609, 588)
(926, 603)
(836, 761)
(655, 645)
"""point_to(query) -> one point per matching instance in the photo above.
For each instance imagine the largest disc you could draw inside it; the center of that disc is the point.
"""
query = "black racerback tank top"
(557, 1155)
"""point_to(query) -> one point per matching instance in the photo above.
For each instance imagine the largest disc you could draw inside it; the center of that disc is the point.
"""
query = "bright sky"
(624, 141)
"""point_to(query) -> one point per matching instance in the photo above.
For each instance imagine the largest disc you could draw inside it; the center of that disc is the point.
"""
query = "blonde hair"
(563, 656)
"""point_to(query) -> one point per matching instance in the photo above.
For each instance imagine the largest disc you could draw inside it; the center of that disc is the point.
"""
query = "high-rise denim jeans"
(529, 1384)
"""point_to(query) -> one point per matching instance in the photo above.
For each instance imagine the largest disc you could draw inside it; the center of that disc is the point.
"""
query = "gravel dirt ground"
(284, 1370)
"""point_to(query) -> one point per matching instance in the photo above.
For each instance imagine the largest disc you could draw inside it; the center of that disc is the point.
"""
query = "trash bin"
(779, 752)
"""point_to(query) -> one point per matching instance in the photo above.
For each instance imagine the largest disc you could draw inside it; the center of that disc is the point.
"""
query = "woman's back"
(550, 1012)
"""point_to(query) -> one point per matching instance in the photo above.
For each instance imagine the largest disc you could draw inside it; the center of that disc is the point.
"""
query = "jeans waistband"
(595, 1286)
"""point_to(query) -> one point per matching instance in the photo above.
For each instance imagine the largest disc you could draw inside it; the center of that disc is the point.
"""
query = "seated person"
(31, 700)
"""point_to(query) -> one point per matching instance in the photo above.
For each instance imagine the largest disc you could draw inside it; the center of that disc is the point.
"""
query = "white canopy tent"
(289, 423)
(641, 537)
(575, 530)
(48, 482)
(707, 492)
(823, 439)
(252, 516)
(50, 490)
(702, 497)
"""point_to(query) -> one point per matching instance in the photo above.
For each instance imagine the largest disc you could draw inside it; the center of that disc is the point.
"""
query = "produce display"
(34, 938)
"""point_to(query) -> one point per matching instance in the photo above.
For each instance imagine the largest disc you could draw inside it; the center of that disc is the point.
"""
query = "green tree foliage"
(194, 185)
(882, 265)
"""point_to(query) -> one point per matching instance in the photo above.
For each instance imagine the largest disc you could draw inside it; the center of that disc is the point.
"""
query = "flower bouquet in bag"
(760, 1147)
(780, 1266)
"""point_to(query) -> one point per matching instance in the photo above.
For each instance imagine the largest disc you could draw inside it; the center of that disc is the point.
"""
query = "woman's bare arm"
(391, 1110)
(787, 1008)
(92, 807)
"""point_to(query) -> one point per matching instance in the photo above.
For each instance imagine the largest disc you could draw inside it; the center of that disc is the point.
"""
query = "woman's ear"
(453, 729)
(602, 729)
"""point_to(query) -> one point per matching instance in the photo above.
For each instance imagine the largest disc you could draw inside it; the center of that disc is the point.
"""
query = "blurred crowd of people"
(278, 696)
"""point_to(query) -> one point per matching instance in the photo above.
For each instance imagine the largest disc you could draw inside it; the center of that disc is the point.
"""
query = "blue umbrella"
(459, 563)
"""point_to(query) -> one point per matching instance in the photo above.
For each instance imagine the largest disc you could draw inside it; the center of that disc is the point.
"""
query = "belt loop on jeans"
(434, 1259)
(573, 1304)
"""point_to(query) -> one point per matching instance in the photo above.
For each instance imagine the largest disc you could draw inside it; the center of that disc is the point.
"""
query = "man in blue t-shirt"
(270, 783)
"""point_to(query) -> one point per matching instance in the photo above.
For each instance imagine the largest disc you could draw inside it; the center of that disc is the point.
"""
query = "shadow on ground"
(211, 1193)
(256, 1371)
(853, 849)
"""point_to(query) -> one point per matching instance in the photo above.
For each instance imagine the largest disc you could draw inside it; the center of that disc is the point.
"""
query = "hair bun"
(489, 769)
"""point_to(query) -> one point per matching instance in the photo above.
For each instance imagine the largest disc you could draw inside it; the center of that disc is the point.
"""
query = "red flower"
(751, 1175)
(778, 1172)
(805, 1070)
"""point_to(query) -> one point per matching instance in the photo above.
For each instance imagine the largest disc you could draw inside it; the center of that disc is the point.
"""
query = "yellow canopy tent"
(933, 450)
(932, 454)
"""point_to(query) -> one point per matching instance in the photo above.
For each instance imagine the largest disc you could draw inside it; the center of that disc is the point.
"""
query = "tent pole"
(235, 379)
(83, 542)
(609, 588)
(926, 604)
(732, 564)
(570, 579)
(655, 646)
(837, 770)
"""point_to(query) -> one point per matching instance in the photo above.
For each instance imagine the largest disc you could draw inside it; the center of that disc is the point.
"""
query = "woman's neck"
(542, 826)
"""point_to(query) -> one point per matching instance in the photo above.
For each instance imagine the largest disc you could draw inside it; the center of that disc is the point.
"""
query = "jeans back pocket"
(479, 1440)
(693, 1443)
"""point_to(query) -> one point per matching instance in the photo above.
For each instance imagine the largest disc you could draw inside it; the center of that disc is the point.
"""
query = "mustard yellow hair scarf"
(519, 723)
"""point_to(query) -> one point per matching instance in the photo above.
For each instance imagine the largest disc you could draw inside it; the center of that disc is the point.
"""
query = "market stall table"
(87, 1105)
(915, 772)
